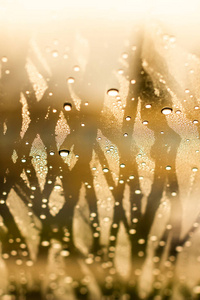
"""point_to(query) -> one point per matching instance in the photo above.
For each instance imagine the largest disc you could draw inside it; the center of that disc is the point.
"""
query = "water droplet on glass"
(45, 243)
(133, 81)
(64, 152)
(195, 122)
(55, 54)
(195, 169)
(105, 170)
(51, 152)
(187, 91)
(166, 111)
(42, 217)
(145, 122)
(128, 118)
(70, 80)
(122, 166)
(137, 192)
(135, 220)
(148, 105)
(65, 56)
(141, 241)
(106, 219)
(76, 68)
(132, 231)
(168, 168)
(4, 59)
(125, 55)
(178, 112)
(113, 92)
(57, 187)
(120, 71)
(23, 160)
(173, 194)
(67, 106)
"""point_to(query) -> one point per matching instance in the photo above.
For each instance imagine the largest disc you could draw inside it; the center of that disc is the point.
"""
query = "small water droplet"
(64, 152)
(148, 105)
(135, 220)
(120, 71)
(137, 192)
(106, 219)
(166, 111)
(113, 92)
(51, 152)
(125, 134)
(145, 122)
(122, 165)
(67, 106)
(70, 80)
(105, 170)
(4, 59)
(187, 91)
(195, 122)
(42, 217)
(125, 55)
(128, 118)
(55, 54)
(23, 160)
(45, 243)
(168, 168)
(141, 241)
(132, 231)
(57, 187)
(195, 169)
(173, 194)
(133, 81)
(178, 112)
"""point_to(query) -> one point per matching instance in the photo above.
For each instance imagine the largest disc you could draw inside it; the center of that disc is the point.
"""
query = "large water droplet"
(64, 152)
(166, 111)
(113, 92)
(67, 106)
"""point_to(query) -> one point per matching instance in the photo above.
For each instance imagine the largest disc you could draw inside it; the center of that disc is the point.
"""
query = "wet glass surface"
(99, 150)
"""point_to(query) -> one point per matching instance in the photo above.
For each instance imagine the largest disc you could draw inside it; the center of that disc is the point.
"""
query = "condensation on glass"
(99, 150)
